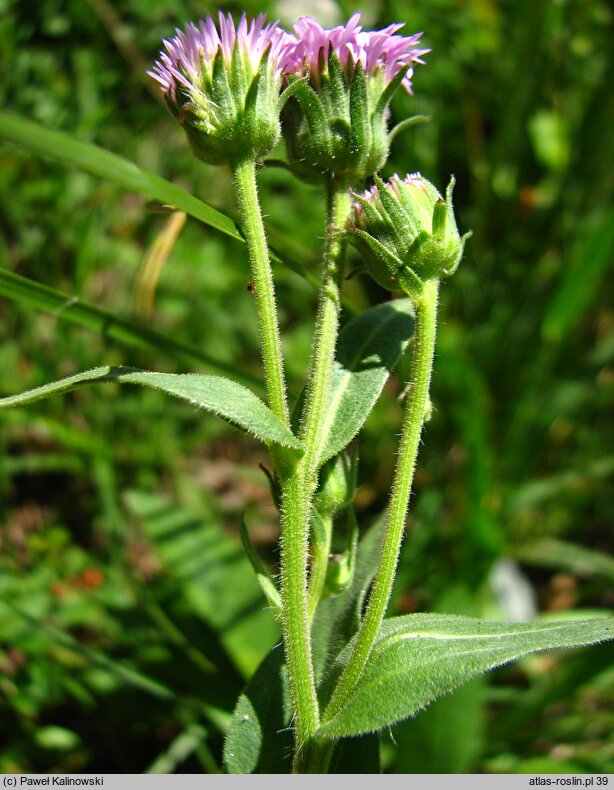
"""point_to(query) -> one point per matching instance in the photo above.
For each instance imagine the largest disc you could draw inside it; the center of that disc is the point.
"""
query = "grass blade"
(129, 333)
(127, 674)
(37, 139)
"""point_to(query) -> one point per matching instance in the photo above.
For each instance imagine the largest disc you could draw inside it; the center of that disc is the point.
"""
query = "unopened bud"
(406, 233)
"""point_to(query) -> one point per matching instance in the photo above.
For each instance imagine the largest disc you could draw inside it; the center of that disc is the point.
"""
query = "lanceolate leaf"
(420, 657)
(47, 142)
(229, 400)
(369, 348)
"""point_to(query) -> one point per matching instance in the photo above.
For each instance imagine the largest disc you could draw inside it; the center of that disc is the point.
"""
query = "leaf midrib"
(494, 649)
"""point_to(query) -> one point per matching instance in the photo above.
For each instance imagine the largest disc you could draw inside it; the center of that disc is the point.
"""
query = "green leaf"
(229, 400)
(418, 658)
(43, 141)
(369, 348)
(259, 739)
(69, 307)
(127, 674)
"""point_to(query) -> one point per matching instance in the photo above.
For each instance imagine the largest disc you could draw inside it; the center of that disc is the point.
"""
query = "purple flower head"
(380, 52)
(188, 61)
(222, 83)
(336, 125)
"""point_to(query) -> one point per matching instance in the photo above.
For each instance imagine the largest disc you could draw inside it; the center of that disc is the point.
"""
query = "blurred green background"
(129, 618)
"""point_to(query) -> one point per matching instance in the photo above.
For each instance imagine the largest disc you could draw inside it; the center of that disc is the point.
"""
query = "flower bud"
(223, 87)
(337, 484)
(339, 574)
(335, 126)
(406, 233)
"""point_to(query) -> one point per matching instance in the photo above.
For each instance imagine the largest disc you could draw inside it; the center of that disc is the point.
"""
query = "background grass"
(129, 618)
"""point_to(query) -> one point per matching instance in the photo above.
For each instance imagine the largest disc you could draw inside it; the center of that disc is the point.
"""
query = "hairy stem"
(296, 502)
(327, 324)
(244, 174)
(415, 409)
(299, 485)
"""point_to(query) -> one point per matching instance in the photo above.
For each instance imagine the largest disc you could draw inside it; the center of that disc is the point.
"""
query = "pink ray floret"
(412, 179)
(194, 48)
(371, 195)
(377, 50)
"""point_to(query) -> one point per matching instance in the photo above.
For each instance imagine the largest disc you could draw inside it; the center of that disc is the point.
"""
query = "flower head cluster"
(222, 83)
(379, 51)
(406, 232)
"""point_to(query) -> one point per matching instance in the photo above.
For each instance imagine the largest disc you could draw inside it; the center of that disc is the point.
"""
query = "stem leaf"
(418, 658)
(229, 400)
(369, 348)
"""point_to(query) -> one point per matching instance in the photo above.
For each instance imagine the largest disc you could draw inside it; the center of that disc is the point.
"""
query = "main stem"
(327, 324)
(415, 410)
(246, 191)
(300, 483)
